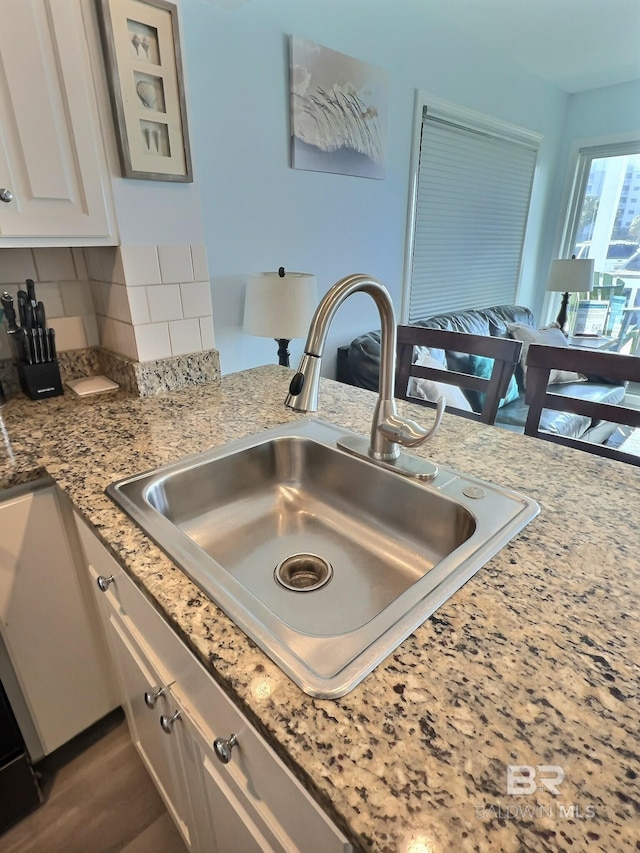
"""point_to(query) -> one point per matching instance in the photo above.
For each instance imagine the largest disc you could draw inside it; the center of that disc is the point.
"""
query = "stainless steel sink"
(325, 560)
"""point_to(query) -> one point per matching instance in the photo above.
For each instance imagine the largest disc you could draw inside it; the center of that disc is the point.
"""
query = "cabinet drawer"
(255, 774)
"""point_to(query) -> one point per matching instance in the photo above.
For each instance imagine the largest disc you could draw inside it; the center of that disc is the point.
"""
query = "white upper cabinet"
(54, 180)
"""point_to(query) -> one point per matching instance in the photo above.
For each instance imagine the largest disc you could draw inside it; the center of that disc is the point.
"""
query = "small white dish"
(92, 385)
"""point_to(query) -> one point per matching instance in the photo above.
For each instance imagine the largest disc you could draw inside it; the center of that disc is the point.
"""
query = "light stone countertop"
(535, 661)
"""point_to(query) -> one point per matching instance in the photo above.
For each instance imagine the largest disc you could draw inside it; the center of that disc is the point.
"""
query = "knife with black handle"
(32, 302)
(13, 331)
(9, 311)
(26, 345)
(34, 346)
(31, 292)
(22, 306)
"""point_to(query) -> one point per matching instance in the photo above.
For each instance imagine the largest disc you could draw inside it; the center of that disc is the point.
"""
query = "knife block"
(40, 380)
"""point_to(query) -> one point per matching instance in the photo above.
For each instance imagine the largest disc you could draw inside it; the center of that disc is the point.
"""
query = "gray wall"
(259, 213)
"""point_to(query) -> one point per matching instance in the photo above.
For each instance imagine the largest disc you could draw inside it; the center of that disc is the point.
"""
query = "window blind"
(471, 208)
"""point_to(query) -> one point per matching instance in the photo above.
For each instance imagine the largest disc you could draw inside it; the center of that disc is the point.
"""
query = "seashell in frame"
(147, 94)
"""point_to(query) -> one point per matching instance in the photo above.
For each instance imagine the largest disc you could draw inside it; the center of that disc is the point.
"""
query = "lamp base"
(561, 319)
(283, 351)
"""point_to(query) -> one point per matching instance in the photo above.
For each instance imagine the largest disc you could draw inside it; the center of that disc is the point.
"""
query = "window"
(603, 222)
(602, 213)
(472, 177)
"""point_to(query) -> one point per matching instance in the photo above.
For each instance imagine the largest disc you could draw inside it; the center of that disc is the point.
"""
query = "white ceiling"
(574, 44)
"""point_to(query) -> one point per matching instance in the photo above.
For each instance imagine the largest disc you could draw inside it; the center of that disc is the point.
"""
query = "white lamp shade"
(280, 306)
(571, 275)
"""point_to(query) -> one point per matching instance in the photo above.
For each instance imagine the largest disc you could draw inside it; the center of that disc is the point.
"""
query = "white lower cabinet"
(47, 621)
(226, 789)
(146, 704)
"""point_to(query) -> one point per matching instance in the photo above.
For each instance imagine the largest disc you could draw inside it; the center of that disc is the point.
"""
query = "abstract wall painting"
(338, 112)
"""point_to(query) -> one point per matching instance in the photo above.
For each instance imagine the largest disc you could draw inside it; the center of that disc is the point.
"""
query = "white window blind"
(472, 201)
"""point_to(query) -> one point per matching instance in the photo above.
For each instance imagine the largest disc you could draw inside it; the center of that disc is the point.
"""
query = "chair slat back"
(541, 360)
(504, 351)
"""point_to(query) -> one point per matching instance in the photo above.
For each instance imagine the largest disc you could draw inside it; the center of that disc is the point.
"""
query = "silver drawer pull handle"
(223, 748)
(104, 583)
(167, 722)
(6, 195)
(152, 696)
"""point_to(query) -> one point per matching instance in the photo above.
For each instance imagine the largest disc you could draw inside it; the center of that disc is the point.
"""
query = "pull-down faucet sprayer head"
(303, 389)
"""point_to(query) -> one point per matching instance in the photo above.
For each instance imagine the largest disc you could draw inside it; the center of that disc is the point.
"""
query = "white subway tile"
(116, 303)
(140, 265)
(164, 302)
(76, 298)
(105, 332)
(48, 292)
(175, 264)
(185, 337)
(207, 334)
(138, 305)
(98, 294)
(70, 333)
(196, 299)
(17, 265)
(152, 341)
(105, 264)
(54, 264)
(115, 270)
(199, 261)
(117, 337)
(94, 259)
(91, 330)
(126, 340)
(82, 272)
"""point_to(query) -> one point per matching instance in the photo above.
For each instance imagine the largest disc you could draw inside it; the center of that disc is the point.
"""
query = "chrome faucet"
(388, 429)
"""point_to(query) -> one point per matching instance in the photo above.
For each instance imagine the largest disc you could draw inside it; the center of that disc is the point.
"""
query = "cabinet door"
(51, 154)
(238, 819)
(46, 624)
(159, 749)
(234, 829)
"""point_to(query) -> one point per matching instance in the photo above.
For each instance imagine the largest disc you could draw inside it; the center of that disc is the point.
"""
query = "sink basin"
(325, 560)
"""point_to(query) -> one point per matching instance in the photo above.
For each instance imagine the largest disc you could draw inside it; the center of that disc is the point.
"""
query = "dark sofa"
(359, 364)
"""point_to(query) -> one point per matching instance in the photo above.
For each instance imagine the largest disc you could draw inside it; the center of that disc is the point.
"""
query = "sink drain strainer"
(303, 572)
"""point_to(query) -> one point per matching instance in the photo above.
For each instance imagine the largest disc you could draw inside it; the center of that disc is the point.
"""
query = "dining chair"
(488, 389)
(610, 366)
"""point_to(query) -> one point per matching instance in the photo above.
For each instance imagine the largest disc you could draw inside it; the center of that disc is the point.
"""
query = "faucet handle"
(409, 433)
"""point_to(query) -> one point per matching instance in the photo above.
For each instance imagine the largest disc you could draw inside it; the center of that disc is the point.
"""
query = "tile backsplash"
(62, 285)
(143, 302)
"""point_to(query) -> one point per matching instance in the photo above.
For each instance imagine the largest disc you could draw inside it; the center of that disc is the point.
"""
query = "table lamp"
(569, 276)
(280, 305)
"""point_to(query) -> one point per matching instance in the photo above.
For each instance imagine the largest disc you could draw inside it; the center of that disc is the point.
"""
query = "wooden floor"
(98, 799)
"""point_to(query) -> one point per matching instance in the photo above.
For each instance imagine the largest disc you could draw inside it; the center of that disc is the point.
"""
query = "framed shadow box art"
(144, 67)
